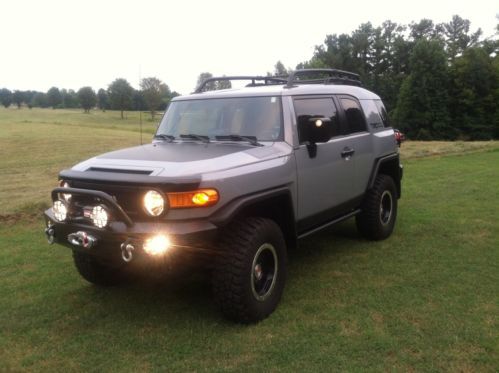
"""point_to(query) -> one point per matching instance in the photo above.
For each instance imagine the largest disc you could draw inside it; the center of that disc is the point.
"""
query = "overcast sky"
(70, 44)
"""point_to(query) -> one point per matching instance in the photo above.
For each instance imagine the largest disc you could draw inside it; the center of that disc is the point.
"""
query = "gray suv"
(232, 180)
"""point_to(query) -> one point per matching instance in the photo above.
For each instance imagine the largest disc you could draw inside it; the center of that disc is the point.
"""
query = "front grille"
(128, 197)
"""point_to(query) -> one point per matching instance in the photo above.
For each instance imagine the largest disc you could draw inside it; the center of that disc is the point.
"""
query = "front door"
(325, 181)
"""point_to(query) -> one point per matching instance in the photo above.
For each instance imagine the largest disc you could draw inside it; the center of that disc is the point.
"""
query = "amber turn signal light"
(196, 198)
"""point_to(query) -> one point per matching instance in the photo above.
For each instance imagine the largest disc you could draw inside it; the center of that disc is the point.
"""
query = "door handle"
(347, 152)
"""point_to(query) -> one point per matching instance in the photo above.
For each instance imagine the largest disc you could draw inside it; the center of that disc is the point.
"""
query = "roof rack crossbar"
(335, 77)
(267, 80)
(339, 81)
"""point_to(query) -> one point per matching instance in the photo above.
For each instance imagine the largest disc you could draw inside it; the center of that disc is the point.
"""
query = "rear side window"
(382, 113)
(355, 117)
(316, 107)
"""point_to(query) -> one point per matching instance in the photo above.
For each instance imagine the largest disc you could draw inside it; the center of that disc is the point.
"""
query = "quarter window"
(355, 117)
(382, 112)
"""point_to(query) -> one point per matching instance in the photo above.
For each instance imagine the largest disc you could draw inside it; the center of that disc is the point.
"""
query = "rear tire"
(249, 277)
(379, 209)
(95, 271)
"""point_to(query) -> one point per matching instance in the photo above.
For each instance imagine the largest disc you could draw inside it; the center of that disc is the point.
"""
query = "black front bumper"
(190, 237)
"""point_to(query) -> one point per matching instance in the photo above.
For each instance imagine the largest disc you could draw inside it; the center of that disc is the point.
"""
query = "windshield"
(260, 117)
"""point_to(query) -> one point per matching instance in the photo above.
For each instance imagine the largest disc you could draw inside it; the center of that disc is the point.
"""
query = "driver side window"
(307, 108)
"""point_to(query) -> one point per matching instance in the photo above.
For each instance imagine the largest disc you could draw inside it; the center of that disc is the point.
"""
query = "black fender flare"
(397, 172)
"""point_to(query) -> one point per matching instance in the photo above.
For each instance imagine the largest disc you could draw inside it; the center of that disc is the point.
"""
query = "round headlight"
(60, 210)
(99, 216)
(154, 203)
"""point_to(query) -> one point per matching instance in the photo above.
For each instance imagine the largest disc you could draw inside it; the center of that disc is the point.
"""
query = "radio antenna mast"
(140, 106)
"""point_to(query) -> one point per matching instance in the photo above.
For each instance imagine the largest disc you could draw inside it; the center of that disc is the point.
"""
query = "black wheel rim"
(264, 271)
(386, 207)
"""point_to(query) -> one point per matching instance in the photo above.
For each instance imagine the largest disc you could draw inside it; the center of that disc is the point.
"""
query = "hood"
(182, 159)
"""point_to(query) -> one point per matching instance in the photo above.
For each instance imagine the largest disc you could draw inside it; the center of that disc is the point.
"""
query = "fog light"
(157, 245)
(99, 216)
(60, 210)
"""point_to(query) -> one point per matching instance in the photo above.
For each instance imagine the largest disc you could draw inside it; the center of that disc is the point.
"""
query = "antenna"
(140, 107)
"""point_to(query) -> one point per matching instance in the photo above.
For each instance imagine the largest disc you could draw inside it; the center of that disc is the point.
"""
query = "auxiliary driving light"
(157, 245)
(65, 196)
(154, 203)
(60, 210)
(99, 216)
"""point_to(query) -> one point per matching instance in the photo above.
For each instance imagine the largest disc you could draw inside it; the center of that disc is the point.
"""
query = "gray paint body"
(236, 169)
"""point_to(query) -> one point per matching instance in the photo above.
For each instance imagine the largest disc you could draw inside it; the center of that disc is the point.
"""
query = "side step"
(329, 223)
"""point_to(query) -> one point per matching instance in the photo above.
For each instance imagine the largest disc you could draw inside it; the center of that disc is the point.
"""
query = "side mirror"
(315, 129)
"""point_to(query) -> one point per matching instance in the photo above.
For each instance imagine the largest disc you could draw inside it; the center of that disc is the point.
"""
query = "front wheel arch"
(240, 295)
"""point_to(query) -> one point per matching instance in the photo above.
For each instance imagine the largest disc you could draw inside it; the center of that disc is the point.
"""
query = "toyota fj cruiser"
(235, 177)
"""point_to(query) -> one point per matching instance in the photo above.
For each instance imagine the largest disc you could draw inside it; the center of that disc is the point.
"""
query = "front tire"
(95, 271)
(249, 278)
(379, 209)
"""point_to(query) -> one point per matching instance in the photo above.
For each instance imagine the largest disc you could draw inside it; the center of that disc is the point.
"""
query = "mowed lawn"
(36, 144)
(427, 299)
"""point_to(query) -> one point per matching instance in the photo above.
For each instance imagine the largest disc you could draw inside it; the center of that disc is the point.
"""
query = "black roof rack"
(266, 80)
(333, 76)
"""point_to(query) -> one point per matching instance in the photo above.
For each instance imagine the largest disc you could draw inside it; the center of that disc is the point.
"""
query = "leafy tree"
(422, 108)
(212, 86)
(54, 97)
(39, 100)
(496, 117)
(425, 29)
(204, 76)
(336, 52)
(223, 84)
(154, 90)
(87, 98)
(18, 98)
(120, 95)
(138, 102)
(474, 91)
(69, 99)
(28, 97)
(5, 97)
(280, 69)
(458, 36)
(102, 99)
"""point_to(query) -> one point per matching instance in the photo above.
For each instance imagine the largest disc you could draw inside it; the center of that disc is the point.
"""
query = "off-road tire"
(235, 272)
(372, 222)
(97, 272)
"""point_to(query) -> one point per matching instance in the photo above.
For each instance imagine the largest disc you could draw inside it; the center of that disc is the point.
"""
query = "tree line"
(438, 81)
(154, 95)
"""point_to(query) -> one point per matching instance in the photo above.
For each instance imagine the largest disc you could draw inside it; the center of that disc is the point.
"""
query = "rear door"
(325, 181)
(357, 138)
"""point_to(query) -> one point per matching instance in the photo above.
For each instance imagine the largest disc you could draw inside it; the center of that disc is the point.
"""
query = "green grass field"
(427, 299)
(36, 144)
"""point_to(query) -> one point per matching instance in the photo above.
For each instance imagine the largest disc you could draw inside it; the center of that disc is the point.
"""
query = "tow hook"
(82, 239)
(127, 251)
(50, 233)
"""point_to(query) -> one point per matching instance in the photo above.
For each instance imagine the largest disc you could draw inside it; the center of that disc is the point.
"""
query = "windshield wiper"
(251, 139)
(193, 136)
(168, 138)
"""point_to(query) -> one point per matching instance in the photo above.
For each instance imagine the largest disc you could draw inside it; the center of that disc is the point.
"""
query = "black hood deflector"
(176, 152)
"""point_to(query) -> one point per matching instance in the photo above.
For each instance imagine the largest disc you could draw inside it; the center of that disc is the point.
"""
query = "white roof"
(281, 90)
